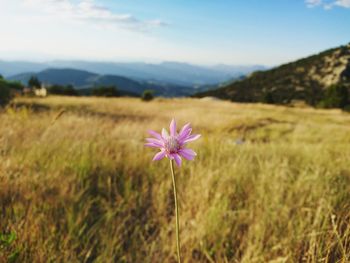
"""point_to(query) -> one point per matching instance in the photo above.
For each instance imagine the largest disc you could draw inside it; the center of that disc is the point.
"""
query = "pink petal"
(155, 141)
(173, 128)
(155, 134)
(165, 134)
(185, 131)
(192, 138)
(188, 154)
(177, 159)
(152, 145)
(159, 156)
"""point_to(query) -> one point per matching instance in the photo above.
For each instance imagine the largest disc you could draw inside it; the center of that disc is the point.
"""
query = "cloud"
(313, 3)
(88, 11)
(343, 3)
(328, 4)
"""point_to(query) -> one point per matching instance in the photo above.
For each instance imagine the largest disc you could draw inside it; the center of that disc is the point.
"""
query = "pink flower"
(173, 146)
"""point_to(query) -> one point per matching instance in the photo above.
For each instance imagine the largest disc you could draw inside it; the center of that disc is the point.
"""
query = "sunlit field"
(269, 184)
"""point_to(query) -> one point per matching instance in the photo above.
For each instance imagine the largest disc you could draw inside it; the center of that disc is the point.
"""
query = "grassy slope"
(83, 189)
(299, 80)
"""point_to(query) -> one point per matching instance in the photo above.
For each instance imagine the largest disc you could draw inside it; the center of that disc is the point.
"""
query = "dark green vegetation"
(105, 91)
(308, 79)
(34, 82)
(67, 90)
(147, 95)
(8, 90)
(5, 95)
(336, 96)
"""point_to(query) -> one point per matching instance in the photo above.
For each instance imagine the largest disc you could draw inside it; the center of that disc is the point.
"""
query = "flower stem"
(176, 211)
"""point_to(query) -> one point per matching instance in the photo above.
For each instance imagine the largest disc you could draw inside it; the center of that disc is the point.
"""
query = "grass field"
(270, 184)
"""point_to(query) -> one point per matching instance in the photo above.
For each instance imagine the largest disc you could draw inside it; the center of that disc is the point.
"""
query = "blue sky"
(267, 32)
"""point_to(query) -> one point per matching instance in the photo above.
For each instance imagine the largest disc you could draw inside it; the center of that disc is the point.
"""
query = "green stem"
(176, 212)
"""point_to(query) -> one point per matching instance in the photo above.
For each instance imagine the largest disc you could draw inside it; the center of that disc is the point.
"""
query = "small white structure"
(41, 92)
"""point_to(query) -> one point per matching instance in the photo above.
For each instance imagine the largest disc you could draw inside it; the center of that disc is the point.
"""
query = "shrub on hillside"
(147, 95)
(336, 96)
(268, 98)
(63, 90)
(5, 93)
(34, 82)
(105, 91)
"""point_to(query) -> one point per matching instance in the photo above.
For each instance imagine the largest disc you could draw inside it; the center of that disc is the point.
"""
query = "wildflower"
(173, 145)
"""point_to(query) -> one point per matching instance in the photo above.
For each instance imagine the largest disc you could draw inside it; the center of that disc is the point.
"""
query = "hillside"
(84, 80)
(305, 79)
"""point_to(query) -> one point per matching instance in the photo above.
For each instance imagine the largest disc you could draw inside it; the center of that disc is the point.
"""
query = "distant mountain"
(239, 70)
(305, 79)
(170, 72)
(77, 78)
(84, 80)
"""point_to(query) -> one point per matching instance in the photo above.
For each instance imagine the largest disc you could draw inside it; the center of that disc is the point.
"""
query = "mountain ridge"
(84, 80)
(304, 79)
(178, 73)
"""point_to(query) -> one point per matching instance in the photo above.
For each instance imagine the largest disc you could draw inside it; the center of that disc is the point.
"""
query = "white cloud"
(89, 11)
(343, 3)
(328, 4)
(313, 3)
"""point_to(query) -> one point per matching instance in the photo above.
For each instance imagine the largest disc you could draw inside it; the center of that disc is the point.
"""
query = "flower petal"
(155, 134)
(155, 141)
(188, 154)
(152, 145)
(185, 131)
(185, 136)
(173, 127)
(159, 156)
(191, 138)
(165, 134)
(177, 159)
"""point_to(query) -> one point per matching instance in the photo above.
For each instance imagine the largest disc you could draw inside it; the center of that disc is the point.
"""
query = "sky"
(234, 32)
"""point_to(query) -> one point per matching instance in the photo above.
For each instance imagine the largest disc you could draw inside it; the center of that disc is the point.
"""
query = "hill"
(171, 72)
(306, 79)
(182, 74)
(84, 80)
(77, 78)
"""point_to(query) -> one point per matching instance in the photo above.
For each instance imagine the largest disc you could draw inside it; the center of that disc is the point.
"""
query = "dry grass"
(77, 185)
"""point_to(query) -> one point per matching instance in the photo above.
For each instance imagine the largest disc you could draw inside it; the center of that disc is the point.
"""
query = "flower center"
(172, 145)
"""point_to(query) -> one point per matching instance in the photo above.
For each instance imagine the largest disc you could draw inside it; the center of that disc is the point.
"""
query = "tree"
(147, 95)
(1, 77)
(63, 90)
(105, 91)
(5, 93)
(268, 98)
(34, 82)
(336, 96)
(70, 91)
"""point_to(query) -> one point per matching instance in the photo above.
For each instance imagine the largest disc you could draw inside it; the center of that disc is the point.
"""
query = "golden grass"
(77, 185)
